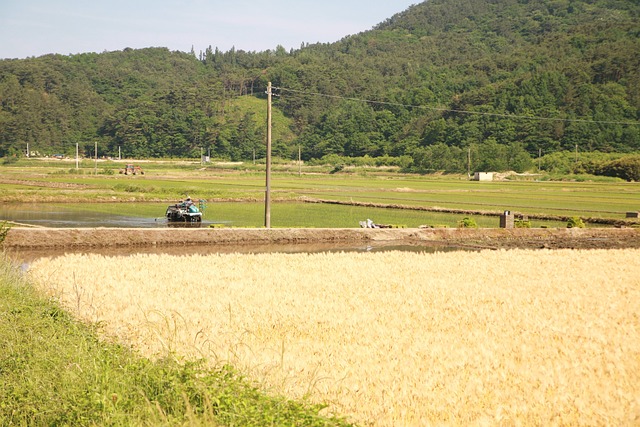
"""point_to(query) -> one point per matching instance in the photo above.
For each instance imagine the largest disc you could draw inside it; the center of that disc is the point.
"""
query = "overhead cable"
(449, 110)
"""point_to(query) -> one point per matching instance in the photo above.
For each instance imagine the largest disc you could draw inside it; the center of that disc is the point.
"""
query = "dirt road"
(87, 238)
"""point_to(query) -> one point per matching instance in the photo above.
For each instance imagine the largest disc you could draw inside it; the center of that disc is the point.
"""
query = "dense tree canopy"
(502, 79)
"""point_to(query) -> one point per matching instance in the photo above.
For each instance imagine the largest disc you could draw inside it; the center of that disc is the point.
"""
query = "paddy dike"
(93, 238)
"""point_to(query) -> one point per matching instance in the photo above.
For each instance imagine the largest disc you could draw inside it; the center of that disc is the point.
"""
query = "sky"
(39, 27)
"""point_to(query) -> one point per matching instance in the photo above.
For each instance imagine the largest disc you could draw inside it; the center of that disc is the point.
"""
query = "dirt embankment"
(87, 238)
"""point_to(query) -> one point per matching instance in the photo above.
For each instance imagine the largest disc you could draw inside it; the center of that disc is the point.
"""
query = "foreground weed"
(4, 230)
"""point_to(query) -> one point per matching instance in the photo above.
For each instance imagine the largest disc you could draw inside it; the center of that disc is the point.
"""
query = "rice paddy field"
(39, 181)
(515, 337)
(248, 214)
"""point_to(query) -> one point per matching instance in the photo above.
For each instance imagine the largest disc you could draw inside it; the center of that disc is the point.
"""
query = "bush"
(627, 168)
(522, 223)
(575, 222)
(10, 160)
(614, 165)
(467, 223)
(401, 162)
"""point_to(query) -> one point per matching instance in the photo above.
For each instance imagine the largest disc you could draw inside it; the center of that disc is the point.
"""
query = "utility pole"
(469, 163)
(96, 150)
(299, 161)
(267, 198)
(539, 156)
(77, 156)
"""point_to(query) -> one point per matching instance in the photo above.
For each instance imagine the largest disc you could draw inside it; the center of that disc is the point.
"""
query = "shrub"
(10, 160)
(575, 222)
(467, 223)
(627, 168)
(522, 223)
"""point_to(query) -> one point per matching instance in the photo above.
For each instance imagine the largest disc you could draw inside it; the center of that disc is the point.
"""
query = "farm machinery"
(132, 170)
(185, 212)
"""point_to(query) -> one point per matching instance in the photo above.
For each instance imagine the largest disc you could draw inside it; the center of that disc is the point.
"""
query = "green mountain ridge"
(504, 79)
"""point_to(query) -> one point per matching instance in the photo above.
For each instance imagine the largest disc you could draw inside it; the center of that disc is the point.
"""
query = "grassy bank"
(55, 371)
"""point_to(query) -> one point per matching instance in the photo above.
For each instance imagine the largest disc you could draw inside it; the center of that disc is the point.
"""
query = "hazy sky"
(37, 27)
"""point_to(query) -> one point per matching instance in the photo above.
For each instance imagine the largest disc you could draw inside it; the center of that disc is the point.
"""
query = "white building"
(483, 176)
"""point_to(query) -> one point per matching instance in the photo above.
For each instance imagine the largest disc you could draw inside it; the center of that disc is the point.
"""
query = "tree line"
(508, 80)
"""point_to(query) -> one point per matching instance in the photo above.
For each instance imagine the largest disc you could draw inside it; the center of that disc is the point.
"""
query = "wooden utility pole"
(299, 161)
(77, 156)
(469, 163)
(267, 198)
(539, 156)
(96, 166)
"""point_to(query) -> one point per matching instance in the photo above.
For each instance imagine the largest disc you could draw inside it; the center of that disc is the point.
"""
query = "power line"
(449, 110)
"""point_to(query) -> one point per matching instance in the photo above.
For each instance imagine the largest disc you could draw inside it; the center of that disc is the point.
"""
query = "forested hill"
(507, 79)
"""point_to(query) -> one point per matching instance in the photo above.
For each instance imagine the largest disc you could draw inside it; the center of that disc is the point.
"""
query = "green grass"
(55, 371)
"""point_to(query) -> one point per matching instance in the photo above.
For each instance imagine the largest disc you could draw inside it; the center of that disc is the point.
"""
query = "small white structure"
(483, 176)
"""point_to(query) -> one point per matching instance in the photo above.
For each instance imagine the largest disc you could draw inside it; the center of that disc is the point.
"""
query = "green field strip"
(481, 205)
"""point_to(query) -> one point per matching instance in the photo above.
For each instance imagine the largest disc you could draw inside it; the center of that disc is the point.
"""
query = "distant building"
(483, 176)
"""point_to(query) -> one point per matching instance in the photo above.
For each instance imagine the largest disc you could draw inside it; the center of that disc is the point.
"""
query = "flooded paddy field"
(130, 228)
(235, 214)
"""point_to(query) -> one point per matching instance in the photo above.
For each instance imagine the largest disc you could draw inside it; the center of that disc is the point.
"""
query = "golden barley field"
(516, 337)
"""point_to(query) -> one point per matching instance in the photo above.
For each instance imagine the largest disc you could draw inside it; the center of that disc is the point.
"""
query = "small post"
(267, 199)
(507, 220)
(28, 150)
(539, 156)
(119, 153)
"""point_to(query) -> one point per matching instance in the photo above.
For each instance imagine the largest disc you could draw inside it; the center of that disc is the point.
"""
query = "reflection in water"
(61, 216)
